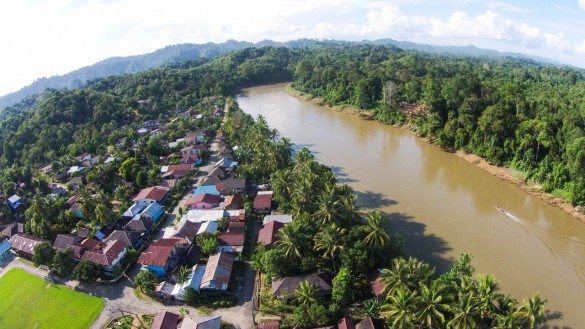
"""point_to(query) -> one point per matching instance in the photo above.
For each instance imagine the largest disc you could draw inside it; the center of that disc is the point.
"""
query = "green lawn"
(27, 301)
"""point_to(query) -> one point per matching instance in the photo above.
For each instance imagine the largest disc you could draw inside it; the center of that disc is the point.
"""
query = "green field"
(27, 301)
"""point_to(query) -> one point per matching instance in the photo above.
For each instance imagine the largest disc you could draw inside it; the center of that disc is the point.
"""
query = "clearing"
(27, 301)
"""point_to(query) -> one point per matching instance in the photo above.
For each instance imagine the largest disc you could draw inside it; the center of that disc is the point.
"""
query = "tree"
(434, 303)
(343, 293)
(43, 254)
(182, 274)
(372, 307)
(531, 312)
(103, 214)
(209, 246)
(146, 281)
(464, 312)
(63, 262)
(306, 294)
(330, 240)
(128, 169)
(86, 271)
(288, 242)
(402, 308)
(377, 236)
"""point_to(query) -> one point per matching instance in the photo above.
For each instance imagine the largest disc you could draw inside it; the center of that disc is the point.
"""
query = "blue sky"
(45, 38)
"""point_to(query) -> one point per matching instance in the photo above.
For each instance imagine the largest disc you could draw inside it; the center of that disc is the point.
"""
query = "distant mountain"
(185, 52)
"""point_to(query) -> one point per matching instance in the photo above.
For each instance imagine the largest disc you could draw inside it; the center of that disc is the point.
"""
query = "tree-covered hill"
(188, 52)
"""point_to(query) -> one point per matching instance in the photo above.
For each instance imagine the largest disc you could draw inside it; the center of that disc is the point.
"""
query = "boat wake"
(526, 224)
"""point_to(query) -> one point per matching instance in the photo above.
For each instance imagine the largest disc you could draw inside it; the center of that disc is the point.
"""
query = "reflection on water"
(441, 204)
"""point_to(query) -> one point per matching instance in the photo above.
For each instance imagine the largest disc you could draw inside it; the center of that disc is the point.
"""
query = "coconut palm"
(329, 206)
(434, 304)
(464, 312)
(329, 240)
(377, 236)
(182, 274)
(401, 308)
(288, 241)
(486, 295)
(531, 312)
(306, 294)
(372, 307)
(405, 273)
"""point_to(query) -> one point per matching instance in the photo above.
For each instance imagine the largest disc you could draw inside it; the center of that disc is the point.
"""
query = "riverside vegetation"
(510, 111)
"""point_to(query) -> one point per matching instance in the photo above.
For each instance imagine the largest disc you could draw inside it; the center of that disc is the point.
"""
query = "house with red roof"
(165, 320)
(284, 287)
(107, 255)
(152, 194)
(268, 234)
(231, 186)
(203, 201)
(193, 149)
(217, 272)
(158, 256)
(234, 201)
(24, 244)
(192, 159)
(263, 201)
(231, 242)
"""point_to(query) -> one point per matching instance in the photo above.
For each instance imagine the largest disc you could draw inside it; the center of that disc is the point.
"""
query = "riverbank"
(505, 174)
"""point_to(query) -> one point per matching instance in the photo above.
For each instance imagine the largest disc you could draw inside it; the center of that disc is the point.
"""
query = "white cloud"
(582, 4)
(497, 5)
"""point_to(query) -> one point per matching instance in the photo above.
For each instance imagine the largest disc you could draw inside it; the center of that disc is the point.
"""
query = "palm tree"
(401, 308)
(306, 294)
(329, 208)
(485, 286)
(377, 236)
(464, 312)
(405, 274)
(288, 241)
(182, 274)
(531, 312)
(330, 241)
(434, 304)
(372, 307)
(350, 208)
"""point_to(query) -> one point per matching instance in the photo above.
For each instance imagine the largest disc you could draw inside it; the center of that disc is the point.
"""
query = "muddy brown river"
(441, 204)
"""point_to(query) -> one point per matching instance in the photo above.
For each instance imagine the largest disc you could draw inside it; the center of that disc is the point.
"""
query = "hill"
(187, 52)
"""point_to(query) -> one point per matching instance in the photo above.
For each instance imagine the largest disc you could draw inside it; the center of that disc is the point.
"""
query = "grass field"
(27, 301)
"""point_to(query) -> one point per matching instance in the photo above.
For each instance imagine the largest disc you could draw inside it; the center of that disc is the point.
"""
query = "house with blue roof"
(153, 212)
(14, 202)
(5, 252)
(209, 189)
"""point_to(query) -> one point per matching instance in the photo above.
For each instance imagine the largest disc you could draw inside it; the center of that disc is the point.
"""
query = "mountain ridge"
(189, 51)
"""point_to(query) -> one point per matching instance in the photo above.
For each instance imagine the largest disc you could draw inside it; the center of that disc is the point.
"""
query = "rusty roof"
(158, 252)
(263, 200)
(63, 240)
(165, 320)
(25, 243)
(288, 285)
(267, 235)
(205, 198)
(218, 269)
(105, 254)
(156, 193)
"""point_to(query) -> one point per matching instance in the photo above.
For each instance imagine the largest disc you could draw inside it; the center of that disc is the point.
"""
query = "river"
(440, 203)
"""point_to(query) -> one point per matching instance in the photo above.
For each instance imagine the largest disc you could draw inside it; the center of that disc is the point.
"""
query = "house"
(225, 162)
(72, 200)
(24, 244)
(165, 320)
(217, 272)
(220, 136)
(263, 201)
(193, 149)
(213, 322)
(157, 257)
(176, 171)
(284, 287)
(62, 241)
(77, 209)
(14, 202)
(153, 212)
(234, 201)
(4, 250)
(376, 283)
(134, 211)
(151, 124)
(285, 219)
(75, 169)
(152, 194)
(130, 239)
(12, 230)
(193, 282)
(187, 229)
(268, 234)
(141, 224)
(47, 169)
(75, 182)
(192, 159)
(210, 181)
(235, 214)
(236, 227)
(110, 159)
(58, 191)
(107, 255)
(272, 324)
(231, 242)
(164, 289)
(346, 323)
(208, 227)
(231, 186)
(370, 323)
(204, 215)
(203, 201)
(197, 137)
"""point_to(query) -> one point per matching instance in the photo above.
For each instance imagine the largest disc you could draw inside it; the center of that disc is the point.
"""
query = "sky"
(46, 38)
